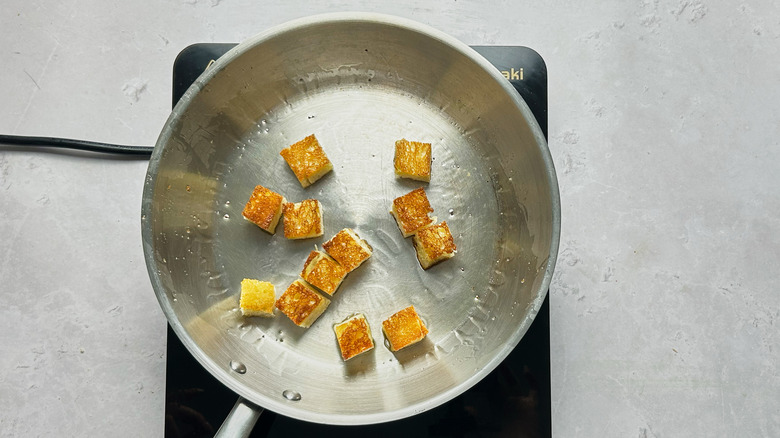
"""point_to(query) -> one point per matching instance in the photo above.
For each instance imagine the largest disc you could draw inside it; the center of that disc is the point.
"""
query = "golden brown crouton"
(347, 248)
(413, 160)
(404, 328)
(353, 336)
(303, 220)
(323, 272)
(412, 211)
(302, 304)
(307, 160)
(264, 208)
(434, 244)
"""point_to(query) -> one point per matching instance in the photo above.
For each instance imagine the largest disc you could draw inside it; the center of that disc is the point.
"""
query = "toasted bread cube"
(404, 328)
(413, 160)
(323, 272)
(264, 208)
(353, 336)
(307, 160)
(257, 298)
(434, 244)
(347, 248)
(302, 304)
(412, 211)
(303, 220)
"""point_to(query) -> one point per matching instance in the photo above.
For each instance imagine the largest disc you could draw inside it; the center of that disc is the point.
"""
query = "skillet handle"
(240, 421)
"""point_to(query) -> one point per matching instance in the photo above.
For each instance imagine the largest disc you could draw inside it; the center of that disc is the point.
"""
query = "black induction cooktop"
(513, 400)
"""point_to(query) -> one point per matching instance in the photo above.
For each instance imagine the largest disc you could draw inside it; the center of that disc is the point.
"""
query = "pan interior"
(358, 85)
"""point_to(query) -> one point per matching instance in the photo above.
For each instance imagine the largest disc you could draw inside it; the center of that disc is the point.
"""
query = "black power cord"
(84, 145)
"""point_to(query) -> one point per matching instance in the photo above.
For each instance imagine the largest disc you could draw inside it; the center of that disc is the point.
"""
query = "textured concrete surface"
(664, 130)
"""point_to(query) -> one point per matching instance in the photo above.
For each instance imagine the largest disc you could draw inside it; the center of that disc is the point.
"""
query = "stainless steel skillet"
(359, 82)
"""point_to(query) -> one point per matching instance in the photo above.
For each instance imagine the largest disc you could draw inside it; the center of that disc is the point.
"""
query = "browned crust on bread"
(413, 160)
(300, 302)
(353, 336)
(323, 272)
(303, 219)
(263, 208)
(404, 328)
(434, 244)
(307, 160)
(412, 211)
(348, 249)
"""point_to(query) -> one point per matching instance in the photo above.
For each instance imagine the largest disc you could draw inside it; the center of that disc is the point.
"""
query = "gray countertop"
(665, 131)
